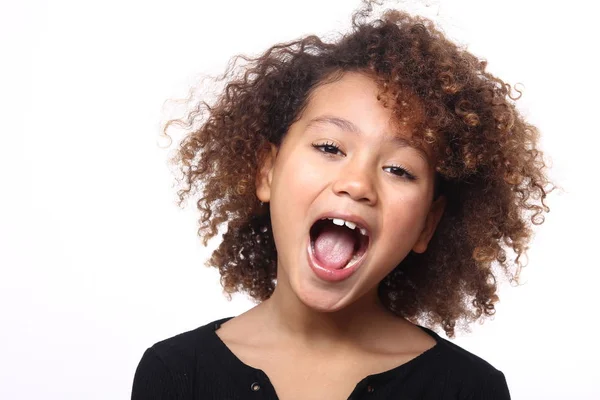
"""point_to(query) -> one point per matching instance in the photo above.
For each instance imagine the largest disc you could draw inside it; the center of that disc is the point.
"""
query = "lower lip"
(330, 275)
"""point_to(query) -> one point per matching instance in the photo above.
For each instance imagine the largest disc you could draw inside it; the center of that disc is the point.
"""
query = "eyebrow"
(349, 126)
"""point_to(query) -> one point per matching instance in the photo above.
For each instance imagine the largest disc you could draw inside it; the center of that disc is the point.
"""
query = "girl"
(368, 186)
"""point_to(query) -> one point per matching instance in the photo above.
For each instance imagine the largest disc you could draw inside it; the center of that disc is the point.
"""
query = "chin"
(323, 300)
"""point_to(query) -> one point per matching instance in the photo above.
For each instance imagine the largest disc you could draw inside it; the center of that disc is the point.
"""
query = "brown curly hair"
(487, 161)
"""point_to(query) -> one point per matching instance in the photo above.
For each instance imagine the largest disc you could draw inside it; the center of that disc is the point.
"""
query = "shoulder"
(475, 377)
(448, 353)
(170, 367)
(188, 346)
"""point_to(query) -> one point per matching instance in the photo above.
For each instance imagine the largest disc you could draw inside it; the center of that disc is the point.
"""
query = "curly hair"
(487, 162)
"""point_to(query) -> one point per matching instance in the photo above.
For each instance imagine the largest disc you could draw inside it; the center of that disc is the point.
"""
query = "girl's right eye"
(327, 147)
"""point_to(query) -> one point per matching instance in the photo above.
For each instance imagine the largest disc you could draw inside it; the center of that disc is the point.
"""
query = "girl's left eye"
(401, 172)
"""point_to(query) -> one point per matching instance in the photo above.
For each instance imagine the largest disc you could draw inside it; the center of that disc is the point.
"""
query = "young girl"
(368, 187)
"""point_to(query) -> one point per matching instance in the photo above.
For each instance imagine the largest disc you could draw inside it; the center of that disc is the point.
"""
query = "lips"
(361, 249)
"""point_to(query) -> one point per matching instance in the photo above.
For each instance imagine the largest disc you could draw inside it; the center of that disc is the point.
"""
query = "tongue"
(334, 246)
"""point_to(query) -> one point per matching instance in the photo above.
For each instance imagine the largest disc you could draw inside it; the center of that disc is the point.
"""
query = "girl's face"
(346, 157)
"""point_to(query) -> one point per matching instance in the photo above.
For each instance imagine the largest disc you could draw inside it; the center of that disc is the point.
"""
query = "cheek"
(294, 187)
(405, 216)
(299, 176)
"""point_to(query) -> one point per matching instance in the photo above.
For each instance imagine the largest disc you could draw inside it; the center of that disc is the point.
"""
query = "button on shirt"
(197, 365)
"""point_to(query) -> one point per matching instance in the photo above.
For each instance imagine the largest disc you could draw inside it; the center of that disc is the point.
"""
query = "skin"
(308, 316)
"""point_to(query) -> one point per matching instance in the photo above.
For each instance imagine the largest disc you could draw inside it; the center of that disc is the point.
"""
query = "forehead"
(353, 104)
(353, 94)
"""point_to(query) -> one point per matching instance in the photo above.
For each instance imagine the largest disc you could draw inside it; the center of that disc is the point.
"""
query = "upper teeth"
(351, 225)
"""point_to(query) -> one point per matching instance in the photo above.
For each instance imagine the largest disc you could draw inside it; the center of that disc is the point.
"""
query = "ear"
(264, 175)
(433, 218)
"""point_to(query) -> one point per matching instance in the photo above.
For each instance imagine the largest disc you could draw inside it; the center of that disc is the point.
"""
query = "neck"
(290, 318)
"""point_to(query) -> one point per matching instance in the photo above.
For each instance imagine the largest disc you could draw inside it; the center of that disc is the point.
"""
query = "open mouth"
(337, 244)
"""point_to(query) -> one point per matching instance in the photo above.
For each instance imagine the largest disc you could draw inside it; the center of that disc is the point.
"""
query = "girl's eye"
(328, 148)
(332, 149)
(401, 172)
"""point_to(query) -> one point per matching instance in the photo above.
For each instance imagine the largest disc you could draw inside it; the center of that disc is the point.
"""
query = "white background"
(96, 260)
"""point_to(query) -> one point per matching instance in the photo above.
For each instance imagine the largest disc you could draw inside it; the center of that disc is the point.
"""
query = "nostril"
(357, 186)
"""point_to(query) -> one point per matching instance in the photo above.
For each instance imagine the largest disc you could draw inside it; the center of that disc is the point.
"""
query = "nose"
(356, 180)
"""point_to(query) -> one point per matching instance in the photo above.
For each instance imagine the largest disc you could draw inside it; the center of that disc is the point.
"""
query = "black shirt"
(198, 365)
